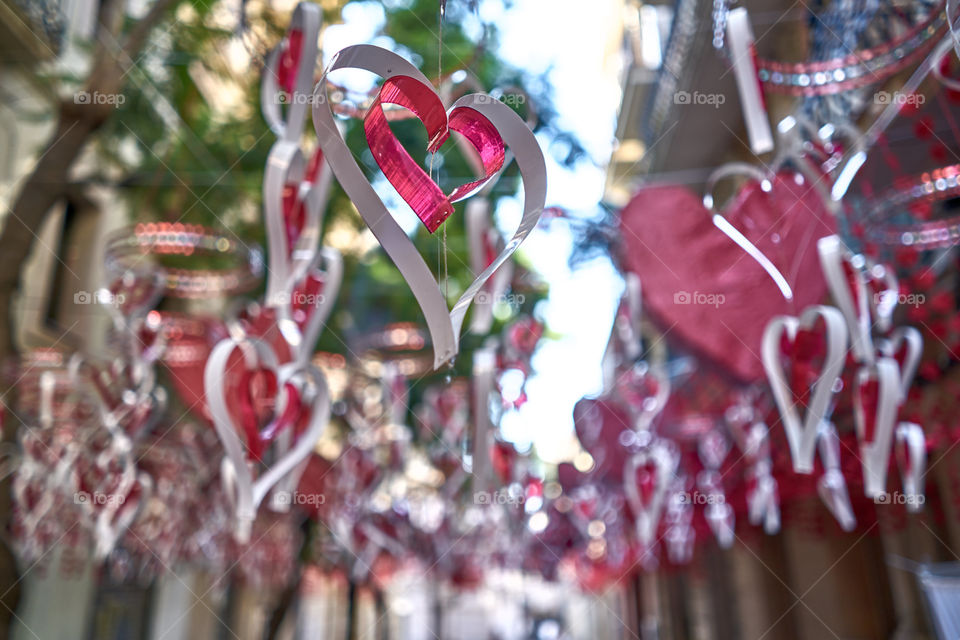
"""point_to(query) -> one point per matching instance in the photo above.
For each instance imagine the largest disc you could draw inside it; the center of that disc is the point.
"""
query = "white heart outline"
(443, 323)
(666, 459)
(802, 436)
(28, 473)
(249, 493)
(645, 416)
(875, 456)
(891, 346)
(104, 523)
(911, 441)
(833, 254)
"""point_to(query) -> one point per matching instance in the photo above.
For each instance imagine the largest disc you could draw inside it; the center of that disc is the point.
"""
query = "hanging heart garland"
(285, 491)
(763, 497)
(296, 386)
(482, 119)
(802, 433)
(832, 486)
(876, 399)
(712, 449)
(679, 536)
(752, 437)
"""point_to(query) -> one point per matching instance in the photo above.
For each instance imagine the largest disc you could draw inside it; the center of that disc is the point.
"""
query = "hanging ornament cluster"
(101, 465)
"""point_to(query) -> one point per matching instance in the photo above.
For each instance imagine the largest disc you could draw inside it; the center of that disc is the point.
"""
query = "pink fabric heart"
(413, 184)
(702, 288)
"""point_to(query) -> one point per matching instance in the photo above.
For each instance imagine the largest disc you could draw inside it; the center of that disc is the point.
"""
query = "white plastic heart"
(443, 323)
(802, 434)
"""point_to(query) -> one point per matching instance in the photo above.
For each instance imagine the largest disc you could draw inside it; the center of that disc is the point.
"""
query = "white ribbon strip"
(912, 460)
(854, 304)
(740, 37)
(875, 455)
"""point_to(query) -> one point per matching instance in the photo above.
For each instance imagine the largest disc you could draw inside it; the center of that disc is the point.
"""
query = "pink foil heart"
(413, 184)
(703, 287)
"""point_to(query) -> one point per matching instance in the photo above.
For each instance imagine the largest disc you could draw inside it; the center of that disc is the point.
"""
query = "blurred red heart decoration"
(671, 243)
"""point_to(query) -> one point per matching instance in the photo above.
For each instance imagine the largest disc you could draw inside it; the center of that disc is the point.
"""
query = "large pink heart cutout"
(702, 287)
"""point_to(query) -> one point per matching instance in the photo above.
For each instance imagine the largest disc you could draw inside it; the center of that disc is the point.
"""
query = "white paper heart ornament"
(909, 342)
(844, 273)
(250, 491)
(647, 477)
(802, 433)
(876, 399)
(444, 324)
